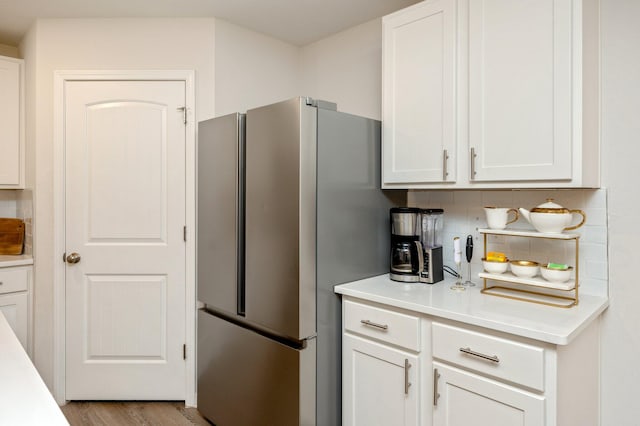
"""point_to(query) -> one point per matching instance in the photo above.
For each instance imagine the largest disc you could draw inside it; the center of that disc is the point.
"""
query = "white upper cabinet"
(11, 124)
(419, 94)
(520, 89)
(523, 97)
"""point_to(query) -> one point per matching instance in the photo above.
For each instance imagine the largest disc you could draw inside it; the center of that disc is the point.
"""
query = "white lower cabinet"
(383, 384)
(14, 301)
(465, 398)
(404, 369)
(381, 367)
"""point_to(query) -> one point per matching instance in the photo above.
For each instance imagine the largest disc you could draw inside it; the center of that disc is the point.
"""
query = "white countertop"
(15, 260)
(535, 321)
(24, 398)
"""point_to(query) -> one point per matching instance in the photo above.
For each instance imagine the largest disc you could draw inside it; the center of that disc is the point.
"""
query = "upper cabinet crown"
(491, 94)
(12, 145)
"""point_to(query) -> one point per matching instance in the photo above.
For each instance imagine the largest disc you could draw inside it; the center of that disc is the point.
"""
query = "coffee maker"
(407, 260)
(431, 225)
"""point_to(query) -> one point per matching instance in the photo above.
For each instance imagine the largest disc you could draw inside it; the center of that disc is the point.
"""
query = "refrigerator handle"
(241, 295)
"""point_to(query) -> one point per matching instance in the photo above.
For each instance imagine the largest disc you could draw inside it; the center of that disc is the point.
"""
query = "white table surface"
(24, 398)
(544, 323)
(15, 260)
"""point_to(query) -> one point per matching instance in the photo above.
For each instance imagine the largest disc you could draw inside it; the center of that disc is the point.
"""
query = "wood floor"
(116, 413)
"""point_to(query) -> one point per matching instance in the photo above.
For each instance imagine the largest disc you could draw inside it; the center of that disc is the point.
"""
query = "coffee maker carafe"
(406, 249)
(431, 226)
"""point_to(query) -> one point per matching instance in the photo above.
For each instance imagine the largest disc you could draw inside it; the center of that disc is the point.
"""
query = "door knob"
(73, 258)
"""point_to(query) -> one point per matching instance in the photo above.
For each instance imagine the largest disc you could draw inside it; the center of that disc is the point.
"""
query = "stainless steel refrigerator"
(289, 205)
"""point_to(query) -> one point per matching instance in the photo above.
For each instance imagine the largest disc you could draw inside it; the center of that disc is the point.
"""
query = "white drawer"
(12, 280)
(494, 356)
(383, 324)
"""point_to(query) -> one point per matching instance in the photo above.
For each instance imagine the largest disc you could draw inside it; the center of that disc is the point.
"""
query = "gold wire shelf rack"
(536, 289)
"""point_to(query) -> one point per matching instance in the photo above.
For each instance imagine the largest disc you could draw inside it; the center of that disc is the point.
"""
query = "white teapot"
(552, 218)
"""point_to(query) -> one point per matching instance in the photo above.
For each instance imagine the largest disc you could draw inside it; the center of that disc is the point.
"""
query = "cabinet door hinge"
(184, 233)
(184, 351)
(184, 114)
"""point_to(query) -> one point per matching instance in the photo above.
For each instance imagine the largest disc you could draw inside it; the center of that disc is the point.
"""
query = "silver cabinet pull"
(407, 366)
(473, 163)
(375, 325)
(445, 158)
(468, 351)
(436, 395)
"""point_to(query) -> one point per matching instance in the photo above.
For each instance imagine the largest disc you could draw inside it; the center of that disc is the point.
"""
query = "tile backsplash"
(24, 210)
(464, 214)
(7, 204)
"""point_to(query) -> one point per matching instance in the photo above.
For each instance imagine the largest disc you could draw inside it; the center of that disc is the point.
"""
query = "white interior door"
(124, 216)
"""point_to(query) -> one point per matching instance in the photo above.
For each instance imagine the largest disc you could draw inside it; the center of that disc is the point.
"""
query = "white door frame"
(60, 78)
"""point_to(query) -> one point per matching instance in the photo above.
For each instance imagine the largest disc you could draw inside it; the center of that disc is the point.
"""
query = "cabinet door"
(14, 308)
(468, 399)
(11, 160)
(418, 111)
(520, 90)
(379, 384)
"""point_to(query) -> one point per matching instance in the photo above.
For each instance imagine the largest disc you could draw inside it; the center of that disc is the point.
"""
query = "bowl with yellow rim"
(524, 268)
(555, 274)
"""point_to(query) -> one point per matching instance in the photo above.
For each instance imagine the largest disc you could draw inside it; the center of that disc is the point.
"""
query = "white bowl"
(494, 266)
(556, 275)
(524, 268)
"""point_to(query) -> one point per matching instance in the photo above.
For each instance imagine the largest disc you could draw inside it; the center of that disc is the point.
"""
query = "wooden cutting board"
(11, 236)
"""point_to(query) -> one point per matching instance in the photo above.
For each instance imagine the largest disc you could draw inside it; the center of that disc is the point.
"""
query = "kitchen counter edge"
(7, 261)
(544, 323)
(25, 397)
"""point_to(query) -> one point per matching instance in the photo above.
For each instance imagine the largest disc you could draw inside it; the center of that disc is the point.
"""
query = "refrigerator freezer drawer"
(247, 379)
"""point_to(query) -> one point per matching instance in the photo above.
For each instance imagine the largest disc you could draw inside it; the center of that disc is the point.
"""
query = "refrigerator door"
(245, 379)
(281, 218)
(219, 222)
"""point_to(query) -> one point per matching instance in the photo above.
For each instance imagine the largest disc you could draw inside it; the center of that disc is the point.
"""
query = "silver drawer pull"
(436, 395)
(493, 358)
(407, 366)
(473, 163)
(445, 172)
(373, 324)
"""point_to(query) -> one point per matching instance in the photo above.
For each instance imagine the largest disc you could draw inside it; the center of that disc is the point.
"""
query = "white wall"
(621, 151)
(86, 44)
(7, 204)
(252, 69)
(28, 49)
(346, 68)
